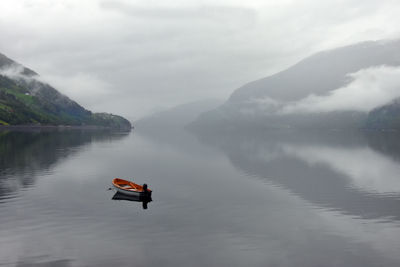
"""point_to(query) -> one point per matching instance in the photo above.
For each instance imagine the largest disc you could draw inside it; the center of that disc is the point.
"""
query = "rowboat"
(130, 188)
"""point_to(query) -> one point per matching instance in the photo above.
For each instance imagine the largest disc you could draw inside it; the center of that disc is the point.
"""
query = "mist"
(370, 88)
(13, 71)
(132, 58)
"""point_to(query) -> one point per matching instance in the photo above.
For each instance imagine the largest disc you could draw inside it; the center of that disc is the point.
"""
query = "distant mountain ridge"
(25, 100)
(321, 72)
(262, 103)
(177, 117)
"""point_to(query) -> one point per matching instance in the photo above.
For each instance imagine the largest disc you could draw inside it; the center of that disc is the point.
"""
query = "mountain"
(385, 117)
(26, 100)
(178, 116)
(167, 127)
(317, 92)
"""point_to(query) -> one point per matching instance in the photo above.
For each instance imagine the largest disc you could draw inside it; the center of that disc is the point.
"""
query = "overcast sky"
(135, 57)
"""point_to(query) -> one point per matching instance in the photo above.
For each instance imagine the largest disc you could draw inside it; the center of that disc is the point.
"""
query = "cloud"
(174, 51)
(19, 74)
(87, 88)
(13, 71)
(369, 89)
(205, 12)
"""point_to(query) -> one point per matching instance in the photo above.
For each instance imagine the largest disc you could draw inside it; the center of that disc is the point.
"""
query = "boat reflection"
(143, 199)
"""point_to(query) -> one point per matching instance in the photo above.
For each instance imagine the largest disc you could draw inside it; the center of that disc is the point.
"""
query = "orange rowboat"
(129, 188)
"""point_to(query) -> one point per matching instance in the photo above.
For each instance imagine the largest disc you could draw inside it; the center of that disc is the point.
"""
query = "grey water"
(265, 198)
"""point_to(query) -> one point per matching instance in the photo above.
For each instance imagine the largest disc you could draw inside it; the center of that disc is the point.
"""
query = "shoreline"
(60, 127)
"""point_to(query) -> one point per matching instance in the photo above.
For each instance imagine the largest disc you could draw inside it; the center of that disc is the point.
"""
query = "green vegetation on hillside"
(29, 102)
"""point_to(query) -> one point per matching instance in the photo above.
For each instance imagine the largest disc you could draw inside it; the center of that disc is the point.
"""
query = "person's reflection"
(144, 200)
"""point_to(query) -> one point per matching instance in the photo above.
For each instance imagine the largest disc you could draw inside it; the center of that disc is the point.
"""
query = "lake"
(265, 198)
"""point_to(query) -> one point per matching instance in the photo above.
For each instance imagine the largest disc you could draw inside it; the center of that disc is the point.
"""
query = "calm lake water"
(272, 198)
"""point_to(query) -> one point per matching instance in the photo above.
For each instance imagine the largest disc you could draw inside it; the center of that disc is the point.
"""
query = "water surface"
(272, 198)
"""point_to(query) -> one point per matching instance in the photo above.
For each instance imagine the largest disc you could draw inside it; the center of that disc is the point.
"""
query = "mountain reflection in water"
(271, 198)
(356, 173)
(27, 153)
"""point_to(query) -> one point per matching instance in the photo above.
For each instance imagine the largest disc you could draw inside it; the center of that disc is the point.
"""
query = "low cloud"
(87, 88)
(169, 52)
(369, 89)
(13, 71)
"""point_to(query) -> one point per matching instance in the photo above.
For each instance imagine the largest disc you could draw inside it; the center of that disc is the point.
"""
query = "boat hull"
(130, 189)
(132, 193)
